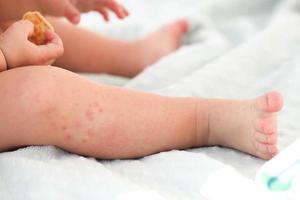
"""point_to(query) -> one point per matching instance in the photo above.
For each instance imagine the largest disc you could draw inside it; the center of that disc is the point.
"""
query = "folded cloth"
(281, 175)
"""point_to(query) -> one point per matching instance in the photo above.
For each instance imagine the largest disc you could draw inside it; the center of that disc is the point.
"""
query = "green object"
(274, 184)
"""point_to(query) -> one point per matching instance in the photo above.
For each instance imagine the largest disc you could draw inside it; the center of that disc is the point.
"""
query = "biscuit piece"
(41, 25)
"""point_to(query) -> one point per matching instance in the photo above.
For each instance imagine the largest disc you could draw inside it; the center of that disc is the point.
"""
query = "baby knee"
(32, 88)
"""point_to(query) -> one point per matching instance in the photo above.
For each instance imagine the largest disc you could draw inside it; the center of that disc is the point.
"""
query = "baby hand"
(19, 51)
(72, 8)
(102, 6)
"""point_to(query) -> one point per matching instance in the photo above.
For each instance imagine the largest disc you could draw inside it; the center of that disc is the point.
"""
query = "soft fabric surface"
(235, 49)
(282, 173)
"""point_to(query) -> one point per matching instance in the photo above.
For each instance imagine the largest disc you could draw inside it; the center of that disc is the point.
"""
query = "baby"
(46, 105)
(139, 54)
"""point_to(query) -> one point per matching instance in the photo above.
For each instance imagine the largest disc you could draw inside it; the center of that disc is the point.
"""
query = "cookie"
(41, 25)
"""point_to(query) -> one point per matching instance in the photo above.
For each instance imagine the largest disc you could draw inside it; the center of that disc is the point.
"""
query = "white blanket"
(235, 49)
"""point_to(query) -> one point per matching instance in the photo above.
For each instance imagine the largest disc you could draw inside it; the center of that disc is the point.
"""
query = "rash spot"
(89, 114)
(84, 140)
(64, 128)
(77, 124)
(68, 137)
(96, 104)
(53, 124)
(90, 132)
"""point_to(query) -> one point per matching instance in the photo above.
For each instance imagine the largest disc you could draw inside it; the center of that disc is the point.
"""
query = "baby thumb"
(26, 27)
(72, 13)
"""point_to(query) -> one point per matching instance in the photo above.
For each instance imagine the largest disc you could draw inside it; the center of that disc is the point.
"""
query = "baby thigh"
(39, 105)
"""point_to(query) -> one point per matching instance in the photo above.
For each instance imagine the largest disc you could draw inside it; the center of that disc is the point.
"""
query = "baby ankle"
(202, 135)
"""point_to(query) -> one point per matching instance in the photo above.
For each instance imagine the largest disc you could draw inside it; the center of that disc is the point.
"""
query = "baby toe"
(270, 102)
(180, 26)
(266, 148)
(265, 156)
(266, 138)
(267, 125)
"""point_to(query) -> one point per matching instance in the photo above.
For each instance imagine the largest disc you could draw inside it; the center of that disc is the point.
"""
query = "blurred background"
(147, 15)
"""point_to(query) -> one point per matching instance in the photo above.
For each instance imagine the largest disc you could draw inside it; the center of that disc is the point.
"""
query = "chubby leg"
(48, 105)
(86, 51)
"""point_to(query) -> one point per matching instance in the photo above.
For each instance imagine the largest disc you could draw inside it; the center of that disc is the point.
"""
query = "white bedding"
(235, 49)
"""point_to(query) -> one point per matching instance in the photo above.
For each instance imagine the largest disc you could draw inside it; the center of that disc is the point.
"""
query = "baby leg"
(51, 106)
(86, 51)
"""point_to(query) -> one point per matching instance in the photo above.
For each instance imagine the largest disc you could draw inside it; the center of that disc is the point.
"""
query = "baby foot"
(249, 126)
(161, 42)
